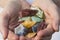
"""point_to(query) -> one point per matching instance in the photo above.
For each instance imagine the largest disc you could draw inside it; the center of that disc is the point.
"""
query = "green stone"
(40, 13)
(36, 19)
(24, 18)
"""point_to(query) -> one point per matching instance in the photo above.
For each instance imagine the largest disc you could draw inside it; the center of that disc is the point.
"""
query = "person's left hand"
(52, 18)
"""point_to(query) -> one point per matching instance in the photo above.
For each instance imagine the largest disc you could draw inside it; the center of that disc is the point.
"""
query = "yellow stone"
(30, 35)
(28, 23)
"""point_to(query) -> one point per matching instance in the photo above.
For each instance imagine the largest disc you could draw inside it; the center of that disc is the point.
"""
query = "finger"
(12, 36)
(25, 4)
(32, 39)
(46, 32)
(55, 25)
(29, 38)
(37, 38)
(4, 32)
(54, 21)
(11, 27)
(22, 38)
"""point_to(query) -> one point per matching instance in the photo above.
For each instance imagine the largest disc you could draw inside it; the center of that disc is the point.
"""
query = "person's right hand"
(9, 18)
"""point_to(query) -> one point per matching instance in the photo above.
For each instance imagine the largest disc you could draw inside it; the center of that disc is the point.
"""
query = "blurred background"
(55, 36)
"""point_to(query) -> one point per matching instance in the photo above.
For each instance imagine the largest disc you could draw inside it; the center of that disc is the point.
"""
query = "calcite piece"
(21, 30)
(24, 18)
(40, 13)
(34, 28)
(36, 19)
(28, 23)
(30, 35)
(27, 12)
(33, 21)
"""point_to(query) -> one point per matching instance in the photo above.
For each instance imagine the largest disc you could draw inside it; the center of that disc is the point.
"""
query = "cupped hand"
(52, 18)
(9, 18)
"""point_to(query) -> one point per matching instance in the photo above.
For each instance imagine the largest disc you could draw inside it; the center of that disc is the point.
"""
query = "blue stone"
(34, 28)
(21, 30)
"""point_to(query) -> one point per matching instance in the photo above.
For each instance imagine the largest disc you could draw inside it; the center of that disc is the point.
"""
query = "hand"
(36, 38)
(9, 18)
(52, 17)
(22, 38)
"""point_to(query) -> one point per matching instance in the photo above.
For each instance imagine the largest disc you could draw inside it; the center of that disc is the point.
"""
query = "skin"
(9, 18)
(52, 18)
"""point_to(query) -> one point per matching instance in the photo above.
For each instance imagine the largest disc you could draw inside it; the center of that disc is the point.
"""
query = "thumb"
(4, 32)
(3, 26)
(55, 25)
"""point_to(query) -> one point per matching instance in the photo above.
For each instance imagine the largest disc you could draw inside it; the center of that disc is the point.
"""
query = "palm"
(49, 8)
(13, 22)
(51, 14)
